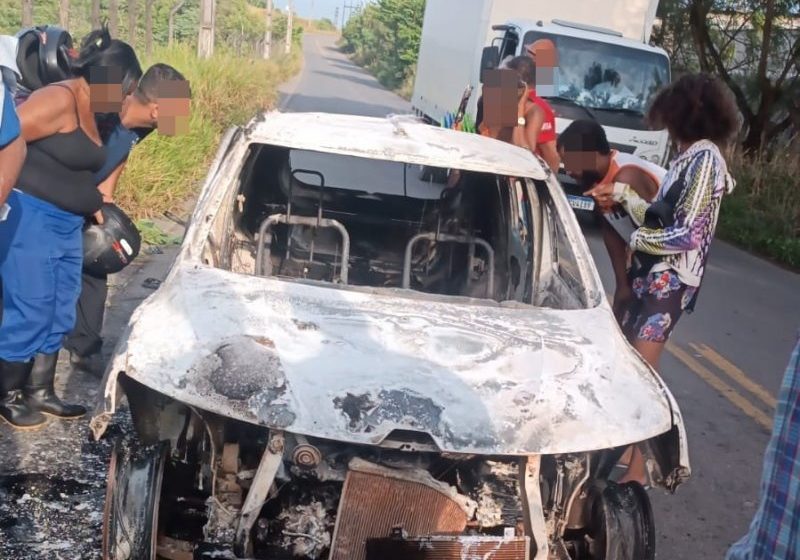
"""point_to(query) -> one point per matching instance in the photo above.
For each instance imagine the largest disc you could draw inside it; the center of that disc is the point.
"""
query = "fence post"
(268, 32)
(289, 26)
(205, 41)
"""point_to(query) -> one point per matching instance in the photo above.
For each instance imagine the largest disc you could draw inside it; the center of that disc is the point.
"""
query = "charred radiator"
(446, 547)
(376, 500)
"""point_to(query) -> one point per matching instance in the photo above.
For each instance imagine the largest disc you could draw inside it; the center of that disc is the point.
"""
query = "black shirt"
(60, 170)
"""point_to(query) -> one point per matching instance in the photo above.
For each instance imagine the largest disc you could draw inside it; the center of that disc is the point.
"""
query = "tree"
(752, 46)
(385, 36)
(176, 7)
(113, 17)
(148, 26)
(132, 22)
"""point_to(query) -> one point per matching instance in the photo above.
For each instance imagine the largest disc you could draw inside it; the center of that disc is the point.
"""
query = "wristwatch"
(521, 121)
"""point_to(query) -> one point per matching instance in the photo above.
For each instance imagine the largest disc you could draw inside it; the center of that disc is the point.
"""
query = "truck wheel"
(130, 518)
(622, 524)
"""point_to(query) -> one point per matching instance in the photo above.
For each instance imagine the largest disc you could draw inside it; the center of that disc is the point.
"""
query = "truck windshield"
(604, 76)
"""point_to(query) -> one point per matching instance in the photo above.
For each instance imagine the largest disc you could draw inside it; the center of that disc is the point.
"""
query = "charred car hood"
(356, 365)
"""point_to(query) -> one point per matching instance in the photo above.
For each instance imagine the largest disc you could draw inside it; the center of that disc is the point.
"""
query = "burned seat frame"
(264, 251)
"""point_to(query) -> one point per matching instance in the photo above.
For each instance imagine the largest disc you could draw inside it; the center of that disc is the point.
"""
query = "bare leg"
(637, 471)
(650, 351)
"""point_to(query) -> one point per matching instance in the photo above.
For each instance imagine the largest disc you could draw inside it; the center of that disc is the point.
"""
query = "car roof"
(402, 138)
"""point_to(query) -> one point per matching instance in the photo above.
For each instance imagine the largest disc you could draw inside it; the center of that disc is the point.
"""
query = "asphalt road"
(724, 365)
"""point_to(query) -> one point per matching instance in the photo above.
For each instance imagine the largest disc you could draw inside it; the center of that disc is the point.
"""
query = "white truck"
(607, 70)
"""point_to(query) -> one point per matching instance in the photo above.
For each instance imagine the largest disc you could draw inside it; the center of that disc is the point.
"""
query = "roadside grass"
(227, 90)
(763, 213)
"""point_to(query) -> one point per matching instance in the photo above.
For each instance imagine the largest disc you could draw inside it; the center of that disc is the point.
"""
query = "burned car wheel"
(622, 525)
(132, 497)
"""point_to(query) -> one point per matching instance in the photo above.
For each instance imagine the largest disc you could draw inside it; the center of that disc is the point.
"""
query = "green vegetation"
(153, 235)
(324, 24)
(763, 213)
(227, 89)
(384, 37)
(240, 24)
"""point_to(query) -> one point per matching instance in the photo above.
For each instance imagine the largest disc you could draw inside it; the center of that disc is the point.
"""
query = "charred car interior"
(366, 354)
(374, 223)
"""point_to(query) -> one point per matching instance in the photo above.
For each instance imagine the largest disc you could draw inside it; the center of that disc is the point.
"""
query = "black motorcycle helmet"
(43, 56)
(110, 247)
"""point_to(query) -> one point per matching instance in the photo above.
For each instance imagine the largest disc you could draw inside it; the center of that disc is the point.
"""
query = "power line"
(351, 8)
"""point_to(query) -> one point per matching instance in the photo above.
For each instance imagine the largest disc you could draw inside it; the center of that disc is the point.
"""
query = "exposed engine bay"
(230, 490)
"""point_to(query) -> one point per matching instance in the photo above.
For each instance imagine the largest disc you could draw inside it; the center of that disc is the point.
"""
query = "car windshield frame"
(622, 78)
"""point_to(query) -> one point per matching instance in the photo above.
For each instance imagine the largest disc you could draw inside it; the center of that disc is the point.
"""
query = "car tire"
(622, 524)
(130, 517)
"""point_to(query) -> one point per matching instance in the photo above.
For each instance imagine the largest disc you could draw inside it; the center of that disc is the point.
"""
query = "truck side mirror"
(490, 60)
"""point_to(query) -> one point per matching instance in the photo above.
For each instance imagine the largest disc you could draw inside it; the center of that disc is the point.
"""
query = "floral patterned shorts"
(660, 298)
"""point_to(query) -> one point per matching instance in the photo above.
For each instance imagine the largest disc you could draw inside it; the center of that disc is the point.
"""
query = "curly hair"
(696, 107)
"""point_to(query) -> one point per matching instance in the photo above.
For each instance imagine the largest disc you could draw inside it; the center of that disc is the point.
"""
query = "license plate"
(581, 202)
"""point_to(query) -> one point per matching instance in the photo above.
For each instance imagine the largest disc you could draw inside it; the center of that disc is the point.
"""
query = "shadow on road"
(367, 81)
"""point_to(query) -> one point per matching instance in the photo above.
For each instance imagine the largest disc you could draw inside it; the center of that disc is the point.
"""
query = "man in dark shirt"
(139, 117)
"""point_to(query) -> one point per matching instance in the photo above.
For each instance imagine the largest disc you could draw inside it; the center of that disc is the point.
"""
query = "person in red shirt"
(537, 122)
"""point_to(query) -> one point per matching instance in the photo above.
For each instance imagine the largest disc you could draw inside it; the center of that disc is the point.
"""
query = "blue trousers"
(41, 256)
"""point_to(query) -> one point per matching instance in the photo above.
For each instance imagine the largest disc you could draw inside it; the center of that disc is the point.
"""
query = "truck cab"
(601, 75)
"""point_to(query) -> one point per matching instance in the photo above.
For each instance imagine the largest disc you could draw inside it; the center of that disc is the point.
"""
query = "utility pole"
(288, 26)
(27, 13)
(268, 32)
(336, 16)
(205, 40)
(347, 10)
(63, 14)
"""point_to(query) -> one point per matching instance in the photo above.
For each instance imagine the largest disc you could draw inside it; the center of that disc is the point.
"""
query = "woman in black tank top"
(41, 251)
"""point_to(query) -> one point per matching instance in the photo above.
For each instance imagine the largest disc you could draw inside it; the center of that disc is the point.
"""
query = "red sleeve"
(548, 132)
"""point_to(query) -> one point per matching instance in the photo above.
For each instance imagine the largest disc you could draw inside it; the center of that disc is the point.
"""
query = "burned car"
(350, 360)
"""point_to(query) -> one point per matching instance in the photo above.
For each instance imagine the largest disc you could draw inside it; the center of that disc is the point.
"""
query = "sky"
(318, 9)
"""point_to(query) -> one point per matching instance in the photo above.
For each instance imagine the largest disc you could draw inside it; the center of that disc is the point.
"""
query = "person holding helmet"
(41, 268)
(44, 55)
(110, 246)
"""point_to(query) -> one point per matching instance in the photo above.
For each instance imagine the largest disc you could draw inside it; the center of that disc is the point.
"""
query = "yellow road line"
(721, 386)
(736, 374)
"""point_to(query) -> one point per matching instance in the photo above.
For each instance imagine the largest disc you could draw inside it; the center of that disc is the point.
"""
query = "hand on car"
(603, 195)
